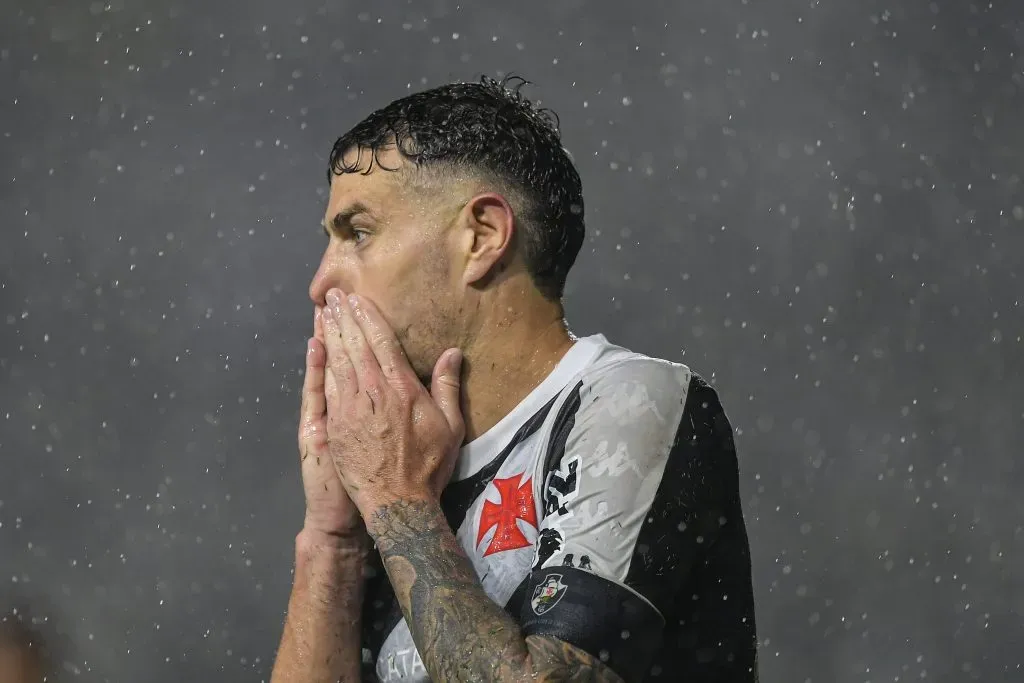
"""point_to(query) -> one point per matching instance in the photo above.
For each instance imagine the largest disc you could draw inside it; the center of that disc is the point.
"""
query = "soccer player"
(488, 497)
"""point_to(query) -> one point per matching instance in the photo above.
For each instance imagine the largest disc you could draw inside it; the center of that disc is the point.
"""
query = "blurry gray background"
(816, 204)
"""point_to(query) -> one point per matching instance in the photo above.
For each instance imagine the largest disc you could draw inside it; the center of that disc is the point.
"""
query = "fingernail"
(332, 297)
(328, 315)
(310, 346)
(317, 312)
(353, 301)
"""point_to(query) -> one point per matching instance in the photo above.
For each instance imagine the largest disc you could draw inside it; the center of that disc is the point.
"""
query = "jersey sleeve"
(635, 491)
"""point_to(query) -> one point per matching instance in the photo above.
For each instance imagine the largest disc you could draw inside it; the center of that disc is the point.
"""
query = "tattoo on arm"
(565, 662)
(461, 634)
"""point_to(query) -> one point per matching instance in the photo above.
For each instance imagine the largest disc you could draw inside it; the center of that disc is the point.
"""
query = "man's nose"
(328, 276)
(317, 290)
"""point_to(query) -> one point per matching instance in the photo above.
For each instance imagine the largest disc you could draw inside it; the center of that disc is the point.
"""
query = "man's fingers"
(446, 388)
(339, 364)
(318, 323)
(353, 342)
(332, 396)
(381, 338)
(314, 402)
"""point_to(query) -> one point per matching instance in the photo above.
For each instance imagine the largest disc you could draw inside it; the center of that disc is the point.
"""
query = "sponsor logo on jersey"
(563, 486)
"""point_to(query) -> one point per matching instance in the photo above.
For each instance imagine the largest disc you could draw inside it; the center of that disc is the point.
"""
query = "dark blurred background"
(817, 204)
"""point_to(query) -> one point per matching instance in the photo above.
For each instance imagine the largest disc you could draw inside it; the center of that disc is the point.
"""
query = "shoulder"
(627, 387)
(627, 402)
(630, 369)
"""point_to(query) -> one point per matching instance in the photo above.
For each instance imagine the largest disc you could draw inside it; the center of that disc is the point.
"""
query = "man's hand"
(321, 639)
(389, 438)
(329, 510)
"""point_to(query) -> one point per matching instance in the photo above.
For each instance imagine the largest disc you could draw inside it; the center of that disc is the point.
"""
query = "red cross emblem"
(516, 503)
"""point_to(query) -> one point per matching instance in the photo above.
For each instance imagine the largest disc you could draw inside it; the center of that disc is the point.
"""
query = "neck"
(513, 354)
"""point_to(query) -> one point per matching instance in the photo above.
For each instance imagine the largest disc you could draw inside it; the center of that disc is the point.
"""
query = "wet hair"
(488, 130)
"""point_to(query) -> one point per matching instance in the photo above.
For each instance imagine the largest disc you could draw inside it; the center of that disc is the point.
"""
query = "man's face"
(392, 244)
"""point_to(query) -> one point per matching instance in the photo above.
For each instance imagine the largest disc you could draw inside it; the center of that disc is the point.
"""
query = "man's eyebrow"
(343, 218)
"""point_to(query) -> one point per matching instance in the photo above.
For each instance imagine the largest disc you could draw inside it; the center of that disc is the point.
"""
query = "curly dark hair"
(491, 130)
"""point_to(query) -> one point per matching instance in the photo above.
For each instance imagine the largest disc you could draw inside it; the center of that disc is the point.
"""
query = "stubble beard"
(425, 340)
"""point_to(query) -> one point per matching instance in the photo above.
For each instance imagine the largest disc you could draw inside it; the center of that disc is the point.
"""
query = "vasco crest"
(547, 594)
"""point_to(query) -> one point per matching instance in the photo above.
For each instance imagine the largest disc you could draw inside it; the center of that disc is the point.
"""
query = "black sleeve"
(633, 501)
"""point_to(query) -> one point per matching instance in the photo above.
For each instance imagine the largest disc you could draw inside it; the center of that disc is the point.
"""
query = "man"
(489, 498)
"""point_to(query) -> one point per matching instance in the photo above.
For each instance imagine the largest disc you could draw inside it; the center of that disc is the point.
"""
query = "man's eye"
(359, 235)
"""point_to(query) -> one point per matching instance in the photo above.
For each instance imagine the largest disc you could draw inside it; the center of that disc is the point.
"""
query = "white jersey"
(603, 510)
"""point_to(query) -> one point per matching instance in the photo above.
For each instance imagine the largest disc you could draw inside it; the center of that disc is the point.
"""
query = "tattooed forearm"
(460, 633)
(572, 663)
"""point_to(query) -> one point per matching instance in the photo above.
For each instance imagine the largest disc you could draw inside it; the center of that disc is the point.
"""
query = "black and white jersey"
(603, 510)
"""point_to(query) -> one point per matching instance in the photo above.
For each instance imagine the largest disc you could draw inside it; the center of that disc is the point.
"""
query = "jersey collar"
(481, 450)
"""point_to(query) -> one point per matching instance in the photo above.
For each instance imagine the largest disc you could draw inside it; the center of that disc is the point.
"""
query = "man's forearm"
(321, 641)
(461, 634)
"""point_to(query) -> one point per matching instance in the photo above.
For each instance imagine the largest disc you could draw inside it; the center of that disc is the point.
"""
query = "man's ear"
(489, 224)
